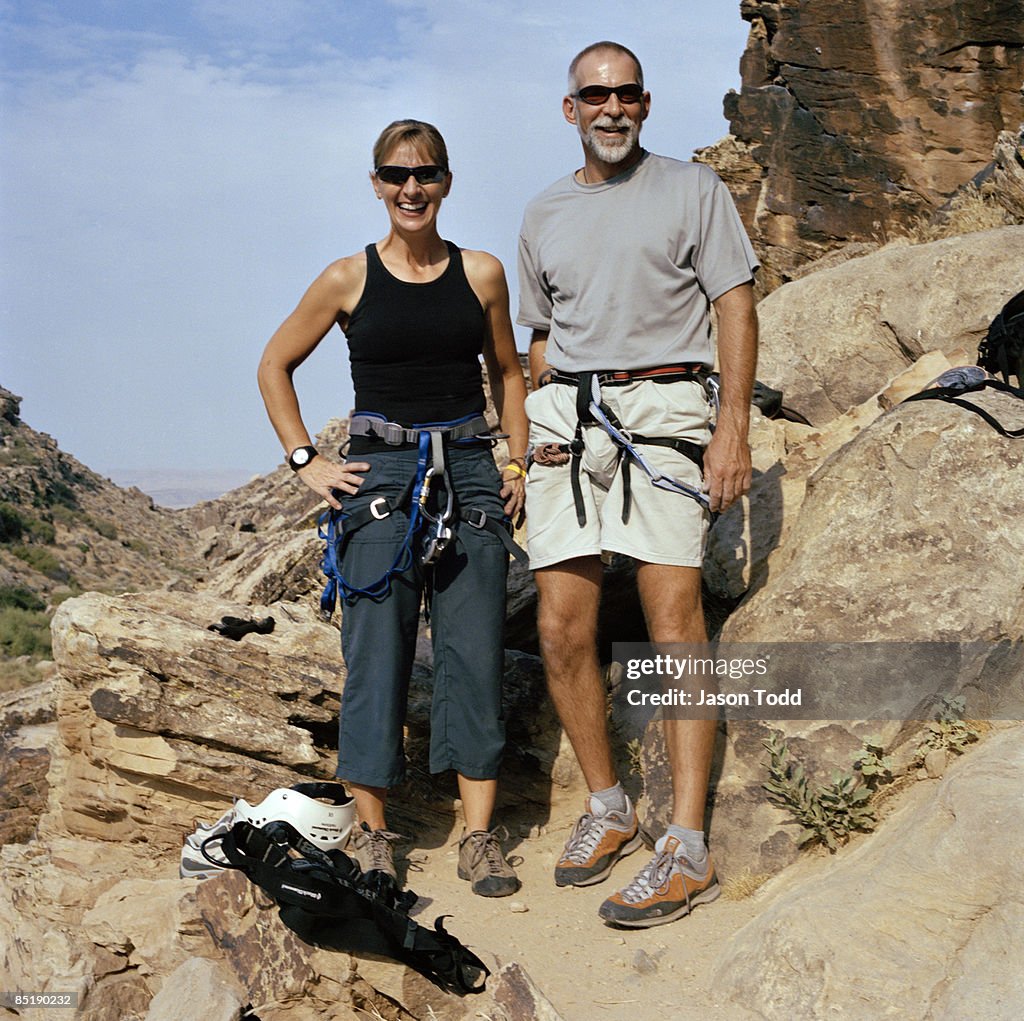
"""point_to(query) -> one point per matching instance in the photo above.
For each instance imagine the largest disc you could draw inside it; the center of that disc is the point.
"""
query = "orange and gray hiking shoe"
(665, 889)
(599, 839)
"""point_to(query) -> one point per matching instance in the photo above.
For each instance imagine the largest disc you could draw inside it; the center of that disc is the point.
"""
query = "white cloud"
(168, 190)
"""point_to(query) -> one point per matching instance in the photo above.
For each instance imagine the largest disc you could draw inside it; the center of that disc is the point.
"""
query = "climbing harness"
(326, 899)
(591, 410)
(434, 530)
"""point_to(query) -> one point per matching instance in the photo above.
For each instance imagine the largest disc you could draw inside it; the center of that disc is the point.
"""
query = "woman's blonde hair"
(418, 133)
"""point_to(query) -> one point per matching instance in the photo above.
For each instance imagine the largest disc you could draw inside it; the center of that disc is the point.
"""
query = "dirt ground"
(586, 969)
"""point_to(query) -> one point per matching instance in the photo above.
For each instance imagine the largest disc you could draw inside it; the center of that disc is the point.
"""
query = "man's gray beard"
(611, 152)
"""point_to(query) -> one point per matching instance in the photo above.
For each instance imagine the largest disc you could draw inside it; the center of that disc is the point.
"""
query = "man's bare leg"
(680, 876)
(569, 595)
(673, 611)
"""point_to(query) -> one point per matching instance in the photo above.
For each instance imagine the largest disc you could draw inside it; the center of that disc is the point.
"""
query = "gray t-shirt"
(621, 273)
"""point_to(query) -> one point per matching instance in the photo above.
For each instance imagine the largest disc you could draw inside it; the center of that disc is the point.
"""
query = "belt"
(377, 427)
(660, 374)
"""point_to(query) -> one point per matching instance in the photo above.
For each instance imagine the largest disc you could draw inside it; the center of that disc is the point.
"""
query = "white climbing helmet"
(322, 812)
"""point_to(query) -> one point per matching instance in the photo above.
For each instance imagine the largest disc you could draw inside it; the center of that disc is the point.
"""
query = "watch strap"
(301, 456)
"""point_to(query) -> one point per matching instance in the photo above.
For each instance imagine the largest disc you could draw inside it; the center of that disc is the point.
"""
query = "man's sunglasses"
(427, 174)
(597, 95)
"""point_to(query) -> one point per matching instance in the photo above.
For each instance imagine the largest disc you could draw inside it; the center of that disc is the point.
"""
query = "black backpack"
(1002, 350)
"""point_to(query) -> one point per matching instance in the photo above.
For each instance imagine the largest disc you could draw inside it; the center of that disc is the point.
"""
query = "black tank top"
(415, 348)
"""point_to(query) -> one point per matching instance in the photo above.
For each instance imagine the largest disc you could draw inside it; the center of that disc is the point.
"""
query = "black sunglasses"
(597, 95)
(427, 174)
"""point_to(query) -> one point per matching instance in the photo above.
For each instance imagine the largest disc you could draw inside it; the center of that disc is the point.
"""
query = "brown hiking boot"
(482, 863)
(373, 849)
(666, 888)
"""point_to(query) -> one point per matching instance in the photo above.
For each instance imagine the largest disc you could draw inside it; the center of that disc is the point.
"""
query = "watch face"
(301, 457)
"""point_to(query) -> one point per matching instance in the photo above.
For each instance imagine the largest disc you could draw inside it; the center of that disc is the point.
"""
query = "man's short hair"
(605, 44)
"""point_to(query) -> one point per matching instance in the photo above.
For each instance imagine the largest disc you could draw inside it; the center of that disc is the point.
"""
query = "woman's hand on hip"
(329, 479)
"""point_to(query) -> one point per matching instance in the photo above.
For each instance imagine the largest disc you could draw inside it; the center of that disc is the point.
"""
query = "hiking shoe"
(482, 863)
(666, 888)
(599, 839)
(374, 851)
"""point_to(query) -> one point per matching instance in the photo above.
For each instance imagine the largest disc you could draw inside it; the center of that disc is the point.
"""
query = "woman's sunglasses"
(427, 174)
(597, 95)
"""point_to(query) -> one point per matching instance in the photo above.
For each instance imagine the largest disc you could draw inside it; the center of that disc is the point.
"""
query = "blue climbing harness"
(336, 527)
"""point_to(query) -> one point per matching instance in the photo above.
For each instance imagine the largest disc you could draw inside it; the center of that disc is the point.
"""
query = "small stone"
(643, 962)
(517, 907)
(935, 762)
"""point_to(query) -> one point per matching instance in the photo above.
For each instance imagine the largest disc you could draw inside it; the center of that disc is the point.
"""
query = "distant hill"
(179, 488)
(65, 529)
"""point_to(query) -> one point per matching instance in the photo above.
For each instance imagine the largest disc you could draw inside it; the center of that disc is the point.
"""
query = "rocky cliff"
(856, 118)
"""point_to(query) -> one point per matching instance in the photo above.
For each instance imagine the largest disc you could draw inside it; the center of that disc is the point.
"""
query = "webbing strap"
(955, 395)
(375, 426)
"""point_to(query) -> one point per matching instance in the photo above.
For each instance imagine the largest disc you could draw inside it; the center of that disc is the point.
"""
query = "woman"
(426, 510)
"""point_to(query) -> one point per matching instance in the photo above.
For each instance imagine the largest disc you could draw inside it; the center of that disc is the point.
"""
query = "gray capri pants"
(378, 636)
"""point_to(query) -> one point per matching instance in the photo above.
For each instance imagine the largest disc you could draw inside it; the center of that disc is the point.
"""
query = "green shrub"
(15, 524)
(105, 528)
(948, 731)
(21, 597)
(12, 523)
(60, 494)
(828, 813)
(43, 561)
(24, 632)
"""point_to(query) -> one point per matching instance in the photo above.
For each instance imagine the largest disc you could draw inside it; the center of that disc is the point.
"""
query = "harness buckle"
(481, 520)
(376, 504)
(394, 434)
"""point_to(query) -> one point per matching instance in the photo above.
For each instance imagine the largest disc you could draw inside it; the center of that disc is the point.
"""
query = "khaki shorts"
(664, 527)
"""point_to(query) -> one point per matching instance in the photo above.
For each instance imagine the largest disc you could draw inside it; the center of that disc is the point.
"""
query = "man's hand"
(727, 468)
(324, 476)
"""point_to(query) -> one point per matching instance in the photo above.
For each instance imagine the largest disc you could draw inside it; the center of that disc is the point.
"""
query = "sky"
(174, 175)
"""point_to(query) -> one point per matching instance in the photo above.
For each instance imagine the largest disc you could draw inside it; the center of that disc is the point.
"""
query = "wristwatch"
(301, 456)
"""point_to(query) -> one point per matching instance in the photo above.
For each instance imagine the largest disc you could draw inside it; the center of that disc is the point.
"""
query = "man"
(619, 264)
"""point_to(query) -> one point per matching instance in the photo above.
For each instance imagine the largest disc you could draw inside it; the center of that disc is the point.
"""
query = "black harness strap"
(955, 395)
(328, 901)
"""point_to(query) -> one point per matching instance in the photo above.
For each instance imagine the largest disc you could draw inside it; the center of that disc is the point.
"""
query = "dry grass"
(745, 885)
(969, 211)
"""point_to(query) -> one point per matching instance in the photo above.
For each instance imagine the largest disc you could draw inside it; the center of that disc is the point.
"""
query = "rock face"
(856, 117)
(923, 919)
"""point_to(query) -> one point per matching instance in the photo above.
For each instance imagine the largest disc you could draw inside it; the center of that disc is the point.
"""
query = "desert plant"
(635, 752)
(41, 560)
(948, 731)
(828, 813)
(874, 766)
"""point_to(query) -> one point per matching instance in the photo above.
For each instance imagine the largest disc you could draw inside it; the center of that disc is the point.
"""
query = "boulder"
(832, 339)
(163, 719)
(908, 532)
(922, 918)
